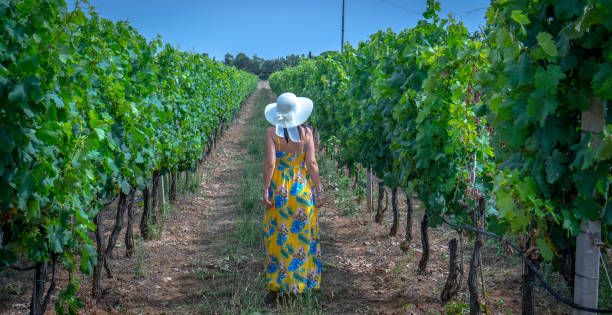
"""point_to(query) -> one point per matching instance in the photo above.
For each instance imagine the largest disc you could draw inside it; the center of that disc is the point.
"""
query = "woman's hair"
(287, 133)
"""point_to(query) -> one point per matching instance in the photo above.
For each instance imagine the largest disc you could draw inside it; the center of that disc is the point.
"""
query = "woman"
(291, 232)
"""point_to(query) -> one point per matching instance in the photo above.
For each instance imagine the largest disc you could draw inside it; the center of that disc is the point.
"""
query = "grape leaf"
(548, 79)
(587, 208)
(25, 190)
(555, 166)
(607, 217)
(519, 17)
(17, 95)
(57, 237)
(602, 81)
(28, 64)
(50, 133)
(7, 142)
(546, 42)
(570, 222)
(89, 258)
(545, 249)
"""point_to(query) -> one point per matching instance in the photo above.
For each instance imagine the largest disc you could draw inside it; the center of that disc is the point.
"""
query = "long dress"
(291, 232)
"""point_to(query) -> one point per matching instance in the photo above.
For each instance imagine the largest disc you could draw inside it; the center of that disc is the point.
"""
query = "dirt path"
(165, 275)
(189, 249)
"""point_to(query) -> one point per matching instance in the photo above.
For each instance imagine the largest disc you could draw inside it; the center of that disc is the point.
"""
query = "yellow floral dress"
(291, 232)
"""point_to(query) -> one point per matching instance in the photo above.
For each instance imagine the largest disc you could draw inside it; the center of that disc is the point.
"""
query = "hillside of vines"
(92, 110)
(486, 129)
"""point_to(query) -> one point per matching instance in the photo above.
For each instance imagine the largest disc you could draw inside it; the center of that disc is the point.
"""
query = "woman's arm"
(268, 165)
(313, 167)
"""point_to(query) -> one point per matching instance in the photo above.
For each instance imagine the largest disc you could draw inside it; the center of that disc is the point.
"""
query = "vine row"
(500, 117)
(91, 109)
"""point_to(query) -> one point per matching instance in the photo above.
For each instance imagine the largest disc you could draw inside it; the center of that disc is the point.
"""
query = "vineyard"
(114, 143)
(92, 112)
(507, 130)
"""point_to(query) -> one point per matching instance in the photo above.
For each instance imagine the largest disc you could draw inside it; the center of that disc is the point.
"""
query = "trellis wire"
(537, 273)
(605, 269)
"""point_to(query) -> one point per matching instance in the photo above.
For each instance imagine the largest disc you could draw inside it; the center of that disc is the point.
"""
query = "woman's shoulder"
(271, 131)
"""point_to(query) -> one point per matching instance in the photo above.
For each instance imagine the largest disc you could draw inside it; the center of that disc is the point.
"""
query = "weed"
(341, 192)
(141, 270)
(249, 231)
(250, 195)
(456, 308)
(12, 288)
(162, 218)
(203, 274)
(192, 181)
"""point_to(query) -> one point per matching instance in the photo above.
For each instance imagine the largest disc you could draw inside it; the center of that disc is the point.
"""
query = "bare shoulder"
(270, 131)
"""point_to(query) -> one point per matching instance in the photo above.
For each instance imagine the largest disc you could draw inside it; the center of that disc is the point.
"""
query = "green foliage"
(263, 67)
(404, 105)
(91, 108)
(498, 114)
(341, 194)
(548, 62)
(455, 307)
(141, 270)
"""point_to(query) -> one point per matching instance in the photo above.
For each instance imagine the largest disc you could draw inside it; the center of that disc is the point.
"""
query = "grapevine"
(493, 116)
(91, 109)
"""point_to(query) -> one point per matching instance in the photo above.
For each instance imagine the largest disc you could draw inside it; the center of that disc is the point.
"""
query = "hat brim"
(303, 109)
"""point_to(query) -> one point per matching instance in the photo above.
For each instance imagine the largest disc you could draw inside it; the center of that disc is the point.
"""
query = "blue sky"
(274, 28)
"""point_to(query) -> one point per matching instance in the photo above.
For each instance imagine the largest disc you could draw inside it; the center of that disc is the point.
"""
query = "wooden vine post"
(146, 213)
(155, 197)
(453, 281)
(380, 210)
(129, 232)
(96, 287)
(405, 245)
(586, 277)
(425, 244)
(393, 231)
(479, 218)
(369, 188)
(529, 277)
(172, 190)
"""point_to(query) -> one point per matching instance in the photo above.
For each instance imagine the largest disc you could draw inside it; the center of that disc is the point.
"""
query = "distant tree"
(243, 62)
(229, 59)
(268, 67)
(293, 60)
(257, 65)
(264, 67)
(325, 53)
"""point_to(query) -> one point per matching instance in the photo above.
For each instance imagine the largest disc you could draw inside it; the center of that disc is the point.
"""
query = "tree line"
(264, 67)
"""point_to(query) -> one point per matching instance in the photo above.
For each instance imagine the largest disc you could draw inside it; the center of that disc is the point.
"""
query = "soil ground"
(198, 265)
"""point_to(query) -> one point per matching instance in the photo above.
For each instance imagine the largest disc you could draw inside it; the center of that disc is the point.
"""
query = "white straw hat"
(289, 111)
